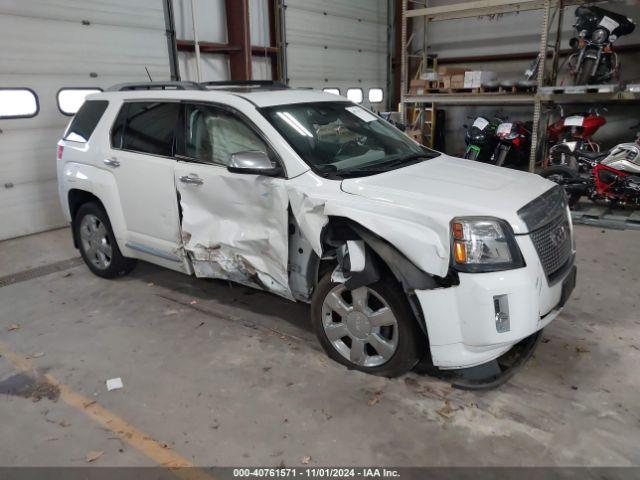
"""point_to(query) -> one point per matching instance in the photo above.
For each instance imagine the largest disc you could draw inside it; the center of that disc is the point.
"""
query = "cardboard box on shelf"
(448, 71)
(457, 81)
(417, 87)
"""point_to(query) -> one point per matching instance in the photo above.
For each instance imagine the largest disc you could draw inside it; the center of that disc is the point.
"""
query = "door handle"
(111, 162)
(191, 179)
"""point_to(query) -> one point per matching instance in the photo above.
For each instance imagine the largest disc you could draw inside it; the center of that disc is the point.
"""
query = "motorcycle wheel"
(471, 154)
(584, 74)
(562, 175)
(502, 157)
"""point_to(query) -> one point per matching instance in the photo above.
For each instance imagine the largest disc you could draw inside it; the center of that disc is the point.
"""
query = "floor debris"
(375, 399)
(13, 327)
(305, 460)
(93, 456)
(114, 384)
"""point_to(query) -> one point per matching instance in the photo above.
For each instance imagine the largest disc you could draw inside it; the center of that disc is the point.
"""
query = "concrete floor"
(225, 375)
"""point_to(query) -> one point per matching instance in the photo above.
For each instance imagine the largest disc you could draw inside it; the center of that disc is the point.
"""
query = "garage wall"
(51, 44)
(332, 43)
(212, 27)
(518, 33)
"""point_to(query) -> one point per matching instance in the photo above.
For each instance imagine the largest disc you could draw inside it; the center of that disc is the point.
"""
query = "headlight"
(599, 35)
(483, 244)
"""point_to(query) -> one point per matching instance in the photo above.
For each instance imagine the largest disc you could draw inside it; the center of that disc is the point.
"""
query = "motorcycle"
(615, 179)
(514, 144)
(581, 160)
(594, 60)
(579, 127)
(480, 139)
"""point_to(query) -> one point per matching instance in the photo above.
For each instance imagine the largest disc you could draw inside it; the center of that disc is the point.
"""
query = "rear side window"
(71, 99)
(146, 127)
(85, 121)
(18, 103)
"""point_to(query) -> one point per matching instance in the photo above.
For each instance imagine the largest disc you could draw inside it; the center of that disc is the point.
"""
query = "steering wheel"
(350, 145)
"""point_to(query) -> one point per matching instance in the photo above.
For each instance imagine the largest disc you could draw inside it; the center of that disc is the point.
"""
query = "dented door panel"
(234, 227)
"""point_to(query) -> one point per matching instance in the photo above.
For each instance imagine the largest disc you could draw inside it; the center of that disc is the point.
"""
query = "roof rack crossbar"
(123, 87)
(245, 83)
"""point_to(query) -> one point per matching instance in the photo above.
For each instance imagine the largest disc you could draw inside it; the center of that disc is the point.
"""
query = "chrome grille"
(553, 244)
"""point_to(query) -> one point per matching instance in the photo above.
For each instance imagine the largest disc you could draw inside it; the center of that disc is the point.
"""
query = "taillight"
(60, 150)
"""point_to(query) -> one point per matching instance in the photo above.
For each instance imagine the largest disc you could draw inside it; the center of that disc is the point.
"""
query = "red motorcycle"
(615, 179)
(579, 127)
(514, 144)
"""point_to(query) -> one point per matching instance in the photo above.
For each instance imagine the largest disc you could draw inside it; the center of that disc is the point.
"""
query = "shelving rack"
(550, 9)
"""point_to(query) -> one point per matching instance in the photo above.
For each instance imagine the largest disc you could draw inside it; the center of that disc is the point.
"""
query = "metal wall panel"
(212, 27)
(331, 43)
(51, 44)
(211, 18)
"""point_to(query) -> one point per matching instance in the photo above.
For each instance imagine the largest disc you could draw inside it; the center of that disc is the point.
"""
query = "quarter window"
(146, 127)
(376, 95)
(213, 135)
(85, 121)
(355, 95)
(71, 99)
(18, 103)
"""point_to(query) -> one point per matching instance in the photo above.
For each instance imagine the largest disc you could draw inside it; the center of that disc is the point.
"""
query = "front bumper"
(461, 320)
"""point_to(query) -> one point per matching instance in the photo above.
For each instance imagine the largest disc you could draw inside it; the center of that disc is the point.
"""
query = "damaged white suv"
(406, 255)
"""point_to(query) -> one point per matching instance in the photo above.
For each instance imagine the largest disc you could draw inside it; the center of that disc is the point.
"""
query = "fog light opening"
(501, 307)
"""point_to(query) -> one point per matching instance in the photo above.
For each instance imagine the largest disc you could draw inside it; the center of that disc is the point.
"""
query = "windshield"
(339, 139)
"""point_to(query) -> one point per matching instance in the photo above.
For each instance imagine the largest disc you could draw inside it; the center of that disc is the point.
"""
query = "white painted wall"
(46, 47)
(338, 44)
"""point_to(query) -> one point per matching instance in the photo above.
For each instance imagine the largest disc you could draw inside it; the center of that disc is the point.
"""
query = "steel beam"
(481, 7)
(239, 34)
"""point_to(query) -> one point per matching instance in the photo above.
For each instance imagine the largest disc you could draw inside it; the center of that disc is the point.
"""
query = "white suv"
(404, 253)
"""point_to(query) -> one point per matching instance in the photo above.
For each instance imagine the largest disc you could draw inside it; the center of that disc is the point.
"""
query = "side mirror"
(253, 163)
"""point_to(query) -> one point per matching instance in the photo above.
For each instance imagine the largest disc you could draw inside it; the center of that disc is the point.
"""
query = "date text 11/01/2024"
(320, 472)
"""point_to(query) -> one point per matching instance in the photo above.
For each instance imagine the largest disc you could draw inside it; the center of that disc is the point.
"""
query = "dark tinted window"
(85, 121)
(149, 127)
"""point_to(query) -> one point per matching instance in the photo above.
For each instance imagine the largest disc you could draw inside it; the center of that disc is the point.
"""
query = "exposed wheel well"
(77, 198)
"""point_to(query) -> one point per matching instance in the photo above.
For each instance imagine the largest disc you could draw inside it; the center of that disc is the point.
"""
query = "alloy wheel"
(95, 241)
(360, 325)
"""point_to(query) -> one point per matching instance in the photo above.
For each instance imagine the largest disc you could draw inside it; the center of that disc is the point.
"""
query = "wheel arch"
(76, 198)
(382, 258)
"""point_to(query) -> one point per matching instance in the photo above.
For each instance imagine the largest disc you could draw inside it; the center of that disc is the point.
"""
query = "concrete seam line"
(138, 439)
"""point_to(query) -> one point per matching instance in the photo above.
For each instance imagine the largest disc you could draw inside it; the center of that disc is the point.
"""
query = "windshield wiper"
(406, 159)
(385, 166)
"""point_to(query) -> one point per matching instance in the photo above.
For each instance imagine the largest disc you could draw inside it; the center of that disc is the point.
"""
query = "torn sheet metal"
(419, 236)
(236, 229)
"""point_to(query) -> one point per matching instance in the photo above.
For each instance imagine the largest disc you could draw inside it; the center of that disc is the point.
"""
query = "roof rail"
(246, 83)
(123, 87)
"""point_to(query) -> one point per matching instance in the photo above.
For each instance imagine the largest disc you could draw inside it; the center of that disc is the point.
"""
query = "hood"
(448, 187)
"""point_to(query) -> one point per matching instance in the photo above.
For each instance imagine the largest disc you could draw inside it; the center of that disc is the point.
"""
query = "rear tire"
(560, 175)
(97, 243)
(403, 341)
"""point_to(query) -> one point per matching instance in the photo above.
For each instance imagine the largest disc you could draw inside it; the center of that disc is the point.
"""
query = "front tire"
(371, 329)
(97, 243)
(584, 74)
(563, 175)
